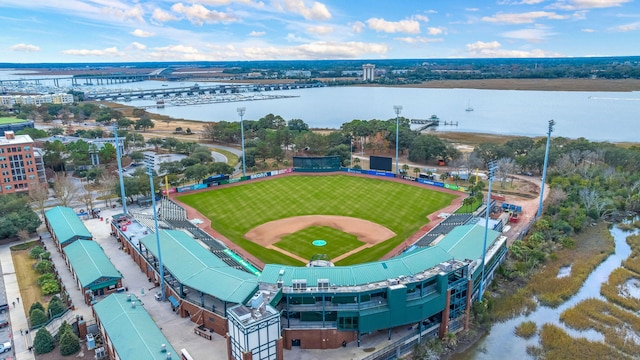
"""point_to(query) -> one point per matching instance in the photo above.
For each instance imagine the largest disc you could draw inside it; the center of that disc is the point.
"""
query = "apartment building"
(18, 164)
(37, 100)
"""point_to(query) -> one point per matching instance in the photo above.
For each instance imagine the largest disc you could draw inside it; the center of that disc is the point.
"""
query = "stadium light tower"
(155, 221)
(397, 109)
(241, 111)
(492, 168)
(544, 168)
(118, 156)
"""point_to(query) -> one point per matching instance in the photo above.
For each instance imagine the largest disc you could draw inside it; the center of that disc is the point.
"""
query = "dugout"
(316, 163)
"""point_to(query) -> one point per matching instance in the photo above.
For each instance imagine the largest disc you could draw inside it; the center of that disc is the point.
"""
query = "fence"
(404, 345)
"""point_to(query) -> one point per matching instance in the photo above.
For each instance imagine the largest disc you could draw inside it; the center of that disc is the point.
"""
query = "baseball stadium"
(315, 257)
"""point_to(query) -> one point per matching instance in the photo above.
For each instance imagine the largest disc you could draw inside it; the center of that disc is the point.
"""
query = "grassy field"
(27, 277)
(300, 242)
(10, 120)
(236, 210)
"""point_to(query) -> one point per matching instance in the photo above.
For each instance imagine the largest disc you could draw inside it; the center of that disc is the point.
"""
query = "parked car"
(4, 323)
(5, 347)
(4, 308)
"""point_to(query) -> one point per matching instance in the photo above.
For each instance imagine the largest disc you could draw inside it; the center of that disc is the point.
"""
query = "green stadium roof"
(132, 332)
(199, 268)
(92, 267)
(66, 225)
(465, 242)
(361, 274)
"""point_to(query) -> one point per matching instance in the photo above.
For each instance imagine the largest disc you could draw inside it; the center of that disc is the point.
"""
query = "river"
(597, 116)
(501, 343)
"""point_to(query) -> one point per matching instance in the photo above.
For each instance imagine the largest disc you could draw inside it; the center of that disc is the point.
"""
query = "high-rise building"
(368, 72)
(18, 164)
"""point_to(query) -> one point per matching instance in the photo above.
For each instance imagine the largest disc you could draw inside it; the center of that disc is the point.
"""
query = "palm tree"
(416, 171)
(405, 169)
(468, 201)
(275, 165)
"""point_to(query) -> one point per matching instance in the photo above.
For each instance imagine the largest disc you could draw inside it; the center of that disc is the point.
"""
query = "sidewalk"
(17, 314)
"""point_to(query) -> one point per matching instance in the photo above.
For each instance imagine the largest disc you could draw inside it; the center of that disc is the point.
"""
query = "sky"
(70, 31)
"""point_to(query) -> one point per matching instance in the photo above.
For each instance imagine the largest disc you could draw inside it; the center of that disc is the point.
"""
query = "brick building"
(18, 164)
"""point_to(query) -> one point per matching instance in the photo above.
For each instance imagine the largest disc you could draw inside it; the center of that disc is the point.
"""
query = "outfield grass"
(400, 207)
(10, 120)
(300, 242)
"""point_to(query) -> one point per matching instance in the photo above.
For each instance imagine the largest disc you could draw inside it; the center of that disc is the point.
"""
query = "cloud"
(317, 50)
(141, 33)
(522, 2)
(25, 47)
(522, 18)
(257, 33)
(418, 39)
(494, 49)
(112, 51)
(627, 27)
(421, 18)
(436, 30)
(403, 26)
(199, 14)
(135, 13)
(136, 46)
(177, 48)
(317, 11)
(588, 30)
(162, 16)
(357, 27)
(531, 35)
(586, 4)
(294, 38)
(320, 30)
(472, 9)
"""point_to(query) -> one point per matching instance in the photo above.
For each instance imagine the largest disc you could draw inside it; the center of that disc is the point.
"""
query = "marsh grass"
(526, 329)
(611, 289)
(618, 325)
(557, 344)
(591, 249)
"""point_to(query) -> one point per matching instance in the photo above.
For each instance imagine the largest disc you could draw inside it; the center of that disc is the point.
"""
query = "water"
(501, 343)
(597, 116)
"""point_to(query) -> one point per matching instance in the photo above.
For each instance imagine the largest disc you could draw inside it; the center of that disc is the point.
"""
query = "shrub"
(44, 266)
(69, 343)
(36, 305)
(50, 287)
(37, 317)
(43, 342)
(46, 277)
(55, 306)
(36, 251)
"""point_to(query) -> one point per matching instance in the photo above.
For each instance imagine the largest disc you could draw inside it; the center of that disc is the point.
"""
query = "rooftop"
(91, 264)
(132, 331)
(66, 225)
(198, 268)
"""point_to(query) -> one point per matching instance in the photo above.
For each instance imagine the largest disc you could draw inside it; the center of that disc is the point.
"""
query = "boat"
(165, 84)
(160, 103)
(469, 108)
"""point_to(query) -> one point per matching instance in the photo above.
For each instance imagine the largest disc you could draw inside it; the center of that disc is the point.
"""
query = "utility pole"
(397, 109)
(492, 168)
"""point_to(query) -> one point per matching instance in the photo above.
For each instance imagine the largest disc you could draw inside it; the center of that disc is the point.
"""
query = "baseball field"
(360, 219)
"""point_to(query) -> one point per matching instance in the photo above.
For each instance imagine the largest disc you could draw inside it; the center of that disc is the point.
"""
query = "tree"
(16, 215)
(125, 123)
(144, 123)
(36, 305)
(43, 342)
(65, 189)
(55, 306)
(34, 133)
(107, 154)
(37, 317)
(69, 343)
(39, 194)
(468, 201)
(87, 197)
(416, 171)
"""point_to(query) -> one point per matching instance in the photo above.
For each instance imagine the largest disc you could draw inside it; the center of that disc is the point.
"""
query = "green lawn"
(300, 243)
(400, 207)
(10, 120)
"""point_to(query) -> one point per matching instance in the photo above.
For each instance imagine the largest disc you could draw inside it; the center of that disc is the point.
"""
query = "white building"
(368, 72)
(36, 100)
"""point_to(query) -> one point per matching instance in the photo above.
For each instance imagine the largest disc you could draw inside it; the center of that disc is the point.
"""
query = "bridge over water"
(426, 123)
(78, 80)
(195, 90)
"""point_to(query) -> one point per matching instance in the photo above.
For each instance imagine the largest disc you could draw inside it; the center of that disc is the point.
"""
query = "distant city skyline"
(226, 30)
